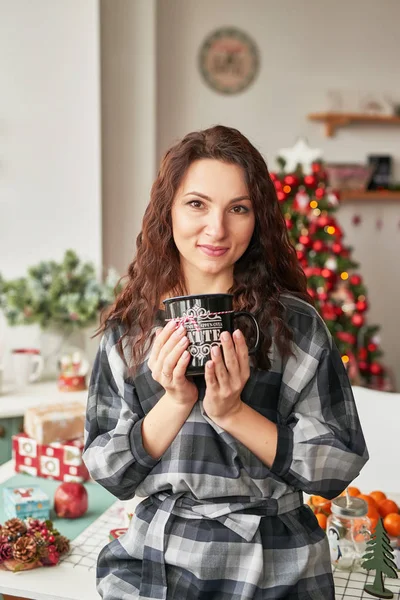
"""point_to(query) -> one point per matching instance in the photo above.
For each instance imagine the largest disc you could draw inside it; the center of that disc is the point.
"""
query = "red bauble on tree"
(318, 245)
(355, 280)
(361, 306)
(320, 193)
(291, 180)
(357, 320)
(375, 368)
(363, 354)
(310, 180)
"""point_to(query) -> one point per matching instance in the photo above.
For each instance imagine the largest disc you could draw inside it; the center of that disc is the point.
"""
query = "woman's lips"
(211, 252)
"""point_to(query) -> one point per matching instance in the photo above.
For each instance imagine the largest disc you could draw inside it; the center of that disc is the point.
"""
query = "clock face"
(229, 60)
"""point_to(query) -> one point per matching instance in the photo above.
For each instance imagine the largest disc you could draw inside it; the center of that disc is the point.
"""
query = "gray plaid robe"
(219, 524)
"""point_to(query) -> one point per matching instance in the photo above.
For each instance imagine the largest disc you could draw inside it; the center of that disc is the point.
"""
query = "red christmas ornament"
(281, 196)
(308, 271)
(375, 368)
(327, 273)
(320, 192)
(363, 365)
(289, 224)
(323, 221)
(363, 354)
(300, 254)
(357, 320)
(323, 297)
(273, 176)
(361, 306)
(290, 180)
(338, 309)
(316, 167)
(372, 347)
(346, 337)
(305, 240)
(355, 279)
(318, 245)
(311, 292)
(278, 185)
(337, 248)
(328, 312)
(310, 180)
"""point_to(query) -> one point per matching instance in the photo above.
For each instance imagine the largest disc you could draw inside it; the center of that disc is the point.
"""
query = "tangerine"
(378, 496)
(373, 516)
(392, 524)
(322, 520)
(319, 504)
(353, 491)
(369, 500)
(386, 507)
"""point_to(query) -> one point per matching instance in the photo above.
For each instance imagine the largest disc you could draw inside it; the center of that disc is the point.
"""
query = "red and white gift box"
(60, 460)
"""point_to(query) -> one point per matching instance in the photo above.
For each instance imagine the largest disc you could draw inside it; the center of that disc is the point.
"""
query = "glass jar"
(348, 530)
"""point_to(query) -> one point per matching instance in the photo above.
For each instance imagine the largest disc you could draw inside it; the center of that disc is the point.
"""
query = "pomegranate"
(70, 500)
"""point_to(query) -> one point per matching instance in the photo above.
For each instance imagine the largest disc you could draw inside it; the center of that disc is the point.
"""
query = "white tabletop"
(14, 402)
(71, 580)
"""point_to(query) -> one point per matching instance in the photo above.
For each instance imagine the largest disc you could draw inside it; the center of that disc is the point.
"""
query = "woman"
(222, 459)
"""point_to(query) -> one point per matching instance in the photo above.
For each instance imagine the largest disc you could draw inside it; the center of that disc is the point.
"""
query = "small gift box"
(61, 460)
(24, 502)
(55, 422)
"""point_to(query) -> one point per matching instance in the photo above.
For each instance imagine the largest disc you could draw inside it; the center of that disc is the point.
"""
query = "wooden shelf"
(375, 195)
(334, 120)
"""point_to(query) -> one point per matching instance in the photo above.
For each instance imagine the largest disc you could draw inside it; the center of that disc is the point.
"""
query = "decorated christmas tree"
(338, 290)
(379, 556)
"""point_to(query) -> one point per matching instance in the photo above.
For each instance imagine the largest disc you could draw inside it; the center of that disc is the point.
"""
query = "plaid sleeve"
(114, 452)
(321, 447)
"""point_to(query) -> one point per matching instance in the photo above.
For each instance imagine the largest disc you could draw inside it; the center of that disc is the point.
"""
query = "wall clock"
(229, 60)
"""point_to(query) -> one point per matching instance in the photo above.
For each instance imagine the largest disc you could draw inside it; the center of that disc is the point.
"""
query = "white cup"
(28, 365)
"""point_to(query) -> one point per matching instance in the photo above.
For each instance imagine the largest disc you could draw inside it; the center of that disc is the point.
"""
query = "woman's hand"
(168, 361)
(225, 383)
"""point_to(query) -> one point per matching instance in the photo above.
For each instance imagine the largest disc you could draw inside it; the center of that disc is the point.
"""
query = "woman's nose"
(216, 226)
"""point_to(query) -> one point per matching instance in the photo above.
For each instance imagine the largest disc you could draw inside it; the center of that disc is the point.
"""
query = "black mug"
(205, 316)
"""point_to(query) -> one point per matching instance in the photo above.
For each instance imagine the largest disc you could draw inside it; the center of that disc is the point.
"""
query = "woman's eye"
(241, 209)
(195, 203)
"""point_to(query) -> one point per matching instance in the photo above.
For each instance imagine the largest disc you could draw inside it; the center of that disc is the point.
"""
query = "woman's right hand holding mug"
(168, 361)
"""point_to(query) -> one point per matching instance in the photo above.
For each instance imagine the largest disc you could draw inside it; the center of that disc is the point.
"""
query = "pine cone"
(13, 527)
(25, 549)
(62, 544)
(5, 551)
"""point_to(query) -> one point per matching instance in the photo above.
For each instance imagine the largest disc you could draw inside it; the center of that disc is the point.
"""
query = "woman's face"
(212, 218)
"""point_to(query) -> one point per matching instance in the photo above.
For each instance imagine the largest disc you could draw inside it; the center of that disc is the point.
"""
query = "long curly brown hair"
(268, 267)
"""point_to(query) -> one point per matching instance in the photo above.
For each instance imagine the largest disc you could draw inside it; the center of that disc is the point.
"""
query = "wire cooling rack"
(86, 547)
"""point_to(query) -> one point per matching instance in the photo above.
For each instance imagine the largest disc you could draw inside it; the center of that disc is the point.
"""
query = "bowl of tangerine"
(379, 507)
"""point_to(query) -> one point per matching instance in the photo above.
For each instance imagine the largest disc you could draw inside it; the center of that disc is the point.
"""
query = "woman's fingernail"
(237, 334)
(215, 351)
(225, 336)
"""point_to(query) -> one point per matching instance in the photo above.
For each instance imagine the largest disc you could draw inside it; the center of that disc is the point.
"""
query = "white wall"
(128, 67)
(49, 133)
(306, 48)
(50, 136)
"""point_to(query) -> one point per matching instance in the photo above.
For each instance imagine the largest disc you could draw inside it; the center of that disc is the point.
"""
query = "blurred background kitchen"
(94, 91)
